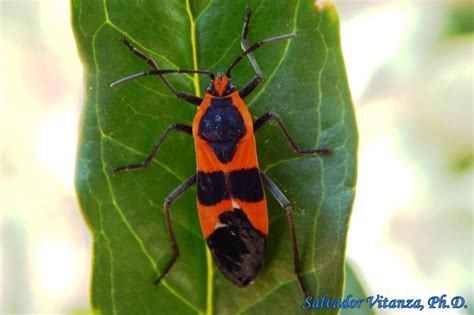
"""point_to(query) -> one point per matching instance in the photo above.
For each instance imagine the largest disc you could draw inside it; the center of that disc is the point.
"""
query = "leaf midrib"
(197, 90)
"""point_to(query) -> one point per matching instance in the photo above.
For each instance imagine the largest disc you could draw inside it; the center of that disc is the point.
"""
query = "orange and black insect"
(230, 196)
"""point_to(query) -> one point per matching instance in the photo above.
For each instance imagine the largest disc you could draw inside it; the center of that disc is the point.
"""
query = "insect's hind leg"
(285, 204)
(175, 194)
(151, 155)
(195, 100)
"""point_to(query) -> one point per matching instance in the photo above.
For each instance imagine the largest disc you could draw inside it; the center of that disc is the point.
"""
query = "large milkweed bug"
(230, 196)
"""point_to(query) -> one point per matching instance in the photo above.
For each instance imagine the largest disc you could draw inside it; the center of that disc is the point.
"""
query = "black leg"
(168, 202)
(266, 117)
(256, 46)
(195, 100)
(149, 158)
(249, 87)
(140, 54)
(248, 51)
(283, 201)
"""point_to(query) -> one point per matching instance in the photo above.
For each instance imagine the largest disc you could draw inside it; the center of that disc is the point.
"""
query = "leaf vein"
(210, 271)
(136, 42)
(109, 185)
(154, 205)
(268, 293)
(280, 62)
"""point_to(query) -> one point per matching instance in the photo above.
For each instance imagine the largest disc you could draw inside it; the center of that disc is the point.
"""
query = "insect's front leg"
(285, 204)
(150, 61)
(195, 100)
(248, 51)
(296, 148)
(149, 158)
(249, 87)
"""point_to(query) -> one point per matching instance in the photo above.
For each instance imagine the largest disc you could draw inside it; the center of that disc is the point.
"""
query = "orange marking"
(257, 214)
(219, 86)
(255, 211)
(244, 157)
(246, 154)
(209, 215)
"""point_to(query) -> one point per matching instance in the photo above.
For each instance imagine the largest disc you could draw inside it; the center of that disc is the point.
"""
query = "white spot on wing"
(219, 225)
(235, 205)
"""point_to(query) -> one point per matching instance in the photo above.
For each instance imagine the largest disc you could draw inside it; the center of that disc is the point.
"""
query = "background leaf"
(304, 81)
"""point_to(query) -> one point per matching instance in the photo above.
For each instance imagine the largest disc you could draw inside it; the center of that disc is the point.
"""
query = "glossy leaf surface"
(304, 82)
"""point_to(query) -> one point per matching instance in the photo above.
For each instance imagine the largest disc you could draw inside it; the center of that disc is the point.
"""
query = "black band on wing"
(211, 188)
(246, 184)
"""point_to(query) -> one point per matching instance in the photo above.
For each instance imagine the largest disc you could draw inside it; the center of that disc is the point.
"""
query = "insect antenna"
(158, 72)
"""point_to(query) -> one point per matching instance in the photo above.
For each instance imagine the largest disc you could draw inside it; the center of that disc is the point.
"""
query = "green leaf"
(304, 82)
(354, 286)
(458, 18)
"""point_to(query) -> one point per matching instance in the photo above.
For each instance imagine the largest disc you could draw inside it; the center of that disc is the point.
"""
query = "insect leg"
(284, 203)
(175, 194)
(195, 100)
(150, 61)
(266, 117)
(149, 158)
(247, 89)
(248, 51)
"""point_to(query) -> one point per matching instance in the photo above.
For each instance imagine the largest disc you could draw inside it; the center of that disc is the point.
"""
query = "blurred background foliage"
(410, 67)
